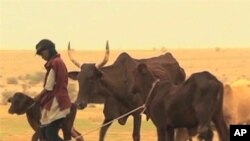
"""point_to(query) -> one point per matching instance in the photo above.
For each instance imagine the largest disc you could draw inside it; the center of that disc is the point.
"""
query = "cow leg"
(181, 134)
(66, 134)
(161, 133)
(192, 131)
(221, 126)
(66, 127)
(76, 134)
(41, 134)
(206, 134)
(205, 111)
(104, 129)
(169, 134)
(205, 131)
(137, 127)
(35, 137)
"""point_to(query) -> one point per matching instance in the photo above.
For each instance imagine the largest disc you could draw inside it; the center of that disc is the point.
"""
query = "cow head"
(143, 79)
(88, 78)
(19, 103)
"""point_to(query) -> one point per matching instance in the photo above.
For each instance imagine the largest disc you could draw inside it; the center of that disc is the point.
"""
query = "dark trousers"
(51, 130)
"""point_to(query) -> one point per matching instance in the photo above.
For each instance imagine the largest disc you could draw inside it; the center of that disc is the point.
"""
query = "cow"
(193, 105)
(113, 82)
(237, 102)
(22, 103)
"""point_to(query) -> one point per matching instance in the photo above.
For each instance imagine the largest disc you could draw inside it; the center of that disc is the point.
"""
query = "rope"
(92, 130)
(128, 113)
(75, 139)
(149, 94)
(31, 105)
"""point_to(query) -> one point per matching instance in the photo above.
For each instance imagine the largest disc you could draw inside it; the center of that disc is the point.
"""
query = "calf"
(21, 103)
(192, 104)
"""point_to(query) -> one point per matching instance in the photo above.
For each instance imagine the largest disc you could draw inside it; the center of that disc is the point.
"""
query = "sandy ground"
(227, 64)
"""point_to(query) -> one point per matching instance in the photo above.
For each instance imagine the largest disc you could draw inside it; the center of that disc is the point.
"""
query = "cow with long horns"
(113, 82)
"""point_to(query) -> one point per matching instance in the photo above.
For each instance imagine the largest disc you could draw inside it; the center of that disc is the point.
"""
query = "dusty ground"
(227, 64)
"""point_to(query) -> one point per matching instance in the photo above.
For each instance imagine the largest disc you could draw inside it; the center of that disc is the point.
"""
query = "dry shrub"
(21, 77)
(12, 80)
(217, 49)
(34, 79)
(5, 95)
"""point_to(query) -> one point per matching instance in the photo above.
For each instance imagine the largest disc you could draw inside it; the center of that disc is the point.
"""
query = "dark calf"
(21, 104)
(192, 104)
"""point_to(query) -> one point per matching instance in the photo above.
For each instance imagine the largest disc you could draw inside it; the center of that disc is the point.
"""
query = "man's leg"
(52, 129)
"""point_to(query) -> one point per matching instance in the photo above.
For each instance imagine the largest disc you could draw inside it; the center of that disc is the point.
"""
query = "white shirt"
(54, 113)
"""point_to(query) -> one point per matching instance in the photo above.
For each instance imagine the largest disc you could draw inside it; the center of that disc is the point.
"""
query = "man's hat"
(43, 45)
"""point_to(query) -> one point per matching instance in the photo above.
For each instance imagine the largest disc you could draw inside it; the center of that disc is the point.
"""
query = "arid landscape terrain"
(24, 71)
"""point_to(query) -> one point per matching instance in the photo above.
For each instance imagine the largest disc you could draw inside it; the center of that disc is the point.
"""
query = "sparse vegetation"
(34, 78)
(12, 80)
(217, 49)
(5, 95)
(21, 77)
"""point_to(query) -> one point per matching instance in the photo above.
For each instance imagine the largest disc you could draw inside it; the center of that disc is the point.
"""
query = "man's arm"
(49, 85)
(38, 97)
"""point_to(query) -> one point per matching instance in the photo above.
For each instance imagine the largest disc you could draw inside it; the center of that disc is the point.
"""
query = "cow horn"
(73, 60)
(106, 57)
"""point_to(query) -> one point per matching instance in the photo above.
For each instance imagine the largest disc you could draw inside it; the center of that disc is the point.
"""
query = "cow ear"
(142, 68)
(10, 99)
(73, 75)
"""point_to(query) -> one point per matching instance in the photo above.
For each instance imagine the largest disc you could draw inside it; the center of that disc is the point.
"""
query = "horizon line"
(139, 49)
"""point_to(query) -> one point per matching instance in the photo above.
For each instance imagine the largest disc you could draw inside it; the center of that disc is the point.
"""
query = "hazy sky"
(125, 23)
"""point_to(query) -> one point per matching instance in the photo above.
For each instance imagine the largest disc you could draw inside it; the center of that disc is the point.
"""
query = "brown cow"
(113, 83)
(22, 103)
(192, 104)
(237, 102)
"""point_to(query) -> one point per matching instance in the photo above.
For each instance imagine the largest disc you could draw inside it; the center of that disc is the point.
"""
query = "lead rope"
(126, 114)
(31, 106)
(75, 139)
(149, 94)
(92, 130)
